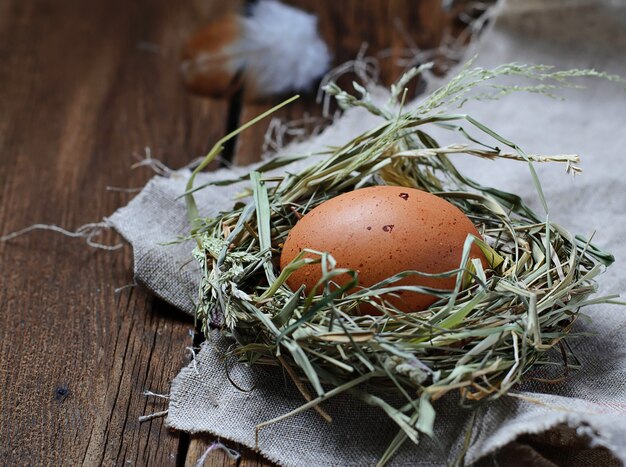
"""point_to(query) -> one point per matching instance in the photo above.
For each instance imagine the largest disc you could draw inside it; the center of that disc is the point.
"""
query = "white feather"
(282, 49)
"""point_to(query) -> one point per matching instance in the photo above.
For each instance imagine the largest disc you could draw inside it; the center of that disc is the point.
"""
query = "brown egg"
(381, 231)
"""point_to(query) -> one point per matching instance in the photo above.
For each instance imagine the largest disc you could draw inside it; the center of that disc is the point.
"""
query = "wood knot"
(61, 393)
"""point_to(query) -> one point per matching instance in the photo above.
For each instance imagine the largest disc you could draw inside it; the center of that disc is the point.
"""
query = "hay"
(479, 341)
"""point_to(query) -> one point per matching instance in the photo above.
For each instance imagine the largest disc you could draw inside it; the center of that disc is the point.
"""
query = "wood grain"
(85, 84)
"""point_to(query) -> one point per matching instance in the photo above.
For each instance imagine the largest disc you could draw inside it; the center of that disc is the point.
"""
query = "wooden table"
(84, 86)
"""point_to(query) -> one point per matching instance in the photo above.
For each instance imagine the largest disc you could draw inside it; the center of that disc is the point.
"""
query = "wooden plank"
(345, 25)
(85, 84)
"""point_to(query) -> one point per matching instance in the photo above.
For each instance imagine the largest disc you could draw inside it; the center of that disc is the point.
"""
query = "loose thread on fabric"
(154, 394)
(230, 452)
(119, 290)
(90, 230)
(193, 359)
(145, 418)
(157, 166)
(86, 231)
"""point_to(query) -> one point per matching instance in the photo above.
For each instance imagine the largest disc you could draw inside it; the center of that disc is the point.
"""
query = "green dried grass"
(479, 341)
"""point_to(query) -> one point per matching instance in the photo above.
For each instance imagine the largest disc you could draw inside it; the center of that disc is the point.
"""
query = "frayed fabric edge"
(86, 231)
(584, 424)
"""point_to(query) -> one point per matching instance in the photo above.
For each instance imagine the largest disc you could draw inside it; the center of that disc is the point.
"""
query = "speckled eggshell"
(381, 231)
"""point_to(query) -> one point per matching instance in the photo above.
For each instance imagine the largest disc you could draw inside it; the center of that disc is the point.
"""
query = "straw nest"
(479, 341)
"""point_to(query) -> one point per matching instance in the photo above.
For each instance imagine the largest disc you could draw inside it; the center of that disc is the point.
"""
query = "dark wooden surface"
(84, 85)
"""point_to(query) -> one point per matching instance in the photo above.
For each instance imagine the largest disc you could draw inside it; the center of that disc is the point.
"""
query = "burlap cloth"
(592, 400)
